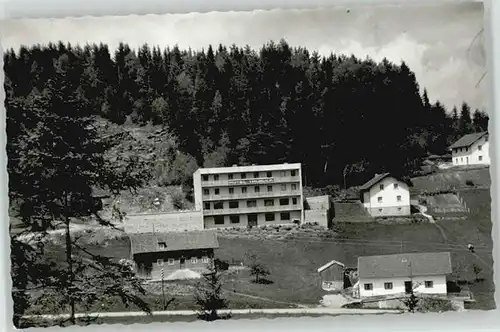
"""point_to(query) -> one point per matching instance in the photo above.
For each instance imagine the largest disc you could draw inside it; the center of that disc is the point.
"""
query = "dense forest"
(232, 105)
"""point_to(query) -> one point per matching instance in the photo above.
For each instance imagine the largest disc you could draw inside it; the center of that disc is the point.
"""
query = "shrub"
(469, 183)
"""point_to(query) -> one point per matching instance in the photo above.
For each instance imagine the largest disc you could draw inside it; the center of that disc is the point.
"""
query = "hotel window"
(171, 261)
(381, 187)
(398, 198)
(388, 285)
(479, 147)
(207, 206)
(234, 219)
(216, 177)
(194, 260)
(205, 259)
(204, 177)
(269, 216)
(429, 284)
(368, 286)
(284, 201)
(159, 262)
(283, 173)
(162, 245)
(294, 186)
(292, 173)
(218, 205)
(206, 191)
(256, 174)
(480, 158)
(256, 189)
(243, 190)
(285, 215)
(252, 218)
(269, 174)
(252, 203)
(283, 187)
(234, 205)
(219, 220)
(269, 202)
(231, 190)
(269, 188)
(396, 186)
(294, 201)
(379, 199)
(230, 176)
(217, 191)
(243, 175)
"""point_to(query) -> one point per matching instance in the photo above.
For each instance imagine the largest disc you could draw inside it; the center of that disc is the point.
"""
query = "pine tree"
(208, 295)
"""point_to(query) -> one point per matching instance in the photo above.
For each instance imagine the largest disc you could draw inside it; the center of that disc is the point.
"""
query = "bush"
(434, 305)
(469, 183)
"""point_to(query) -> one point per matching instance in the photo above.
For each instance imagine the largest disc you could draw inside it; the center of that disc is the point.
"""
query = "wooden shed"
(332, 276)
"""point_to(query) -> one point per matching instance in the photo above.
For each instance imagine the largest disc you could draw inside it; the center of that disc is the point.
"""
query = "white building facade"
(385, 195)
(256, 195)
(472, 149)
(399, 285)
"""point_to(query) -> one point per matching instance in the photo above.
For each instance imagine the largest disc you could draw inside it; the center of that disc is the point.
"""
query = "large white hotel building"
(249, 195)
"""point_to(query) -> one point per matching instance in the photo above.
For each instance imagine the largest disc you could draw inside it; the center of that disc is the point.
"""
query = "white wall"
(470, 156)
(198, 200)
(164, 222)
(389, 197)
(398, 285)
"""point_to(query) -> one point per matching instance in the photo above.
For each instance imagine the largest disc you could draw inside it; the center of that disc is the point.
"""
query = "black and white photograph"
(248, 165)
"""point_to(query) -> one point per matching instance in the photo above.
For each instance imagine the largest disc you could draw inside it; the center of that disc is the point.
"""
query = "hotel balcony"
(250, 182)
(251, 195)
(249, 210)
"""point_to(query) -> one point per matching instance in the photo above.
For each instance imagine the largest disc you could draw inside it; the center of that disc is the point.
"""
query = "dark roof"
(377, 178)
(467, 140)
(405, 265)
(148, 242)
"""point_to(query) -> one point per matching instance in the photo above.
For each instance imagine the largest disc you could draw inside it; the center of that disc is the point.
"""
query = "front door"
(183, 262)
(408, 287)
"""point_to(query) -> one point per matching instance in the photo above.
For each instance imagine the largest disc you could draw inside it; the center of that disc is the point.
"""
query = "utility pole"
(162, 288)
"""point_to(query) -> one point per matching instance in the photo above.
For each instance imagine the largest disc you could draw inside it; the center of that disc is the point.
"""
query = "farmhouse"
(384, 195)
(397, 274)
(471, 149)
(332, 276)
(171, 252)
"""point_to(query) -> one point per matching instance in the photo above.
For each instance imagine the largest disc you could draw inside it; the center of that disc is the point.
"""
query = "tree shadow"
(263, 281)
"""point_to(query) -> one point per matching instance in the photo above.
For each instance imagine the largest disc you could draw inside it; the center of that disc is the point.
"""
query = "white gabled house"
(471, 149)
(384, 195)
(397, 274)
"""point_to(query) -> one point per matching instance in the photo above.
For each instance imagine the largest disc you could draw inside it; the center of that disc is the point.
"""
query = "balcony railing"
(262, 194)
(256, 209)
(249, 182)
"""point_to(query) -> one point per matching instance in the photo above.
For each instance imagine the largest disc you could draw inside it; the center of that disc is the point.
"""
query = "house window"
(159, 262)
(171, 261)
(218, 205)
(207, 206)
(205, 260)
(486, 138)
(380, 210)
(219, 220)
(285, 215)
(234, 205)
(396, 186)
(292, 173)
(256, 174)
(194, 260)
(269, 202)
(456, 160)
(368, 287)
(256, 189)
(231, 190)
(162, 245)
(283, 173)
(398, 198)
(269, 188)
(230, 176)
(283, 187)
(243, 175)
(206, 192)
(234, 219)
(388, 285)
(269, 174)
(480, 147)
(269, 216)
(379, 199)
(381, 187)
(252, 203)
(399, 209)
(243, 190)
(480, 158)
(204, 177)
(429, 284)
(462, 159)
(294, 201)
(216, 177)
(284, 201)
(294, 186)
(217, 191)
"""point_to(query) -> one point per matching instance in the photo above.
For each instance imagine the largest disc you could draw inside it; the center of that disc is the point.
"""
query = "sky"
(435, 41)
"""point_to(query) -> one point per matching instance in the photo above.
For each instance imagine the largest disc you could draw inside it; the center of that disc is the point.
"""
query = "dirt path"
(265, 299)
(423, 210)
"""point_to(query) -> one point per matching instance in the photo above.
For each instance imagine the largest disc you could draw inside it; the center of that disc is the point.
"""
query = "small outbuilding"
(332, 276)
